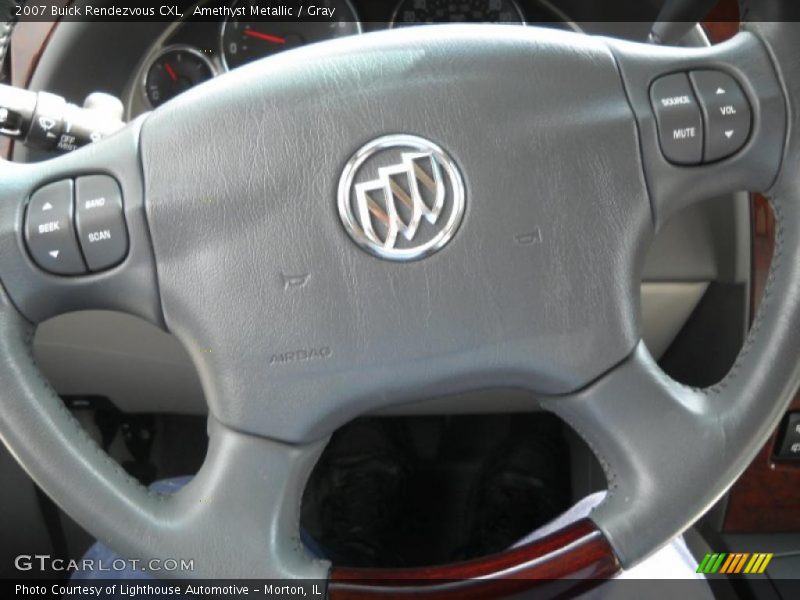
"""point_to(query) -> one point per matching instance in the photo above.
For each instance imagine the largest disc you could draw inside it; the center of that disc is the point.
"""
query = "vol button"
(49, 233)
(726, 113)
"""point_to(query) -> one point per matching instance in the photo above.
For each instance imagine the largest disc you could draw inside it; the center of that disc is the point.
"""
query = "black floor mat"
(431, 490)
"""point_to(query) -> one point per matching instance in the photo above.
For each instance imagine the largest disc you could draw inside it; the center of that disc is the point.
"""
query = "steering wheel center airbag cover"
(292, 325)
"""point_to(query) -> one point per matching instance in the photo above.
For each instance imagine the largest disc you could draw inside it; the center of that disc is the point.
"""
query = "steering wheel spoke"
(239, 516)
(712, 121)
(657, 441)
(73, 233)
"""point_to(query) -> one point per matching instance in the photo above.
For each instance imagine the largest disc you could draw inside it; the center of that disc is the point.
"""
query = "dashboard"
(220, 35)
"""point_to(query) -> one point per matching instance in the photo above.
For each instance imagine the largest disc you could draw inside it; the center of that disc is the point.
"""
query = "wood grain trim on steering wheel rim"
(562, 564)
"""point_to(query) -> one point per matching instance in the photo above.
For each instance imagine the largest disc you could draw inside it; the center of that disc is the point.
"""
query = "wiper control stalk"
(48, 122)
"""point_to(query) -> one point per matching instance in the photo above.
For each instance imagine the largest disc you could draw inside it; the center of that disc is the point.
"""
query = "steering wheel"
(404, 215)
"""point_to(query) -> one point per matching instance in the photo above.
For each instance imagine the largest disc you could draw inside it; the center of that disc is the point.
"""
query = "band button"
(100, 221)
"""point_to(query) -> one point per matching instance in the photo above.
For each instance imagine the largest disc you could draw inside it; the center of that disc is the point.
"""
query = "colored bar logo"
(734, 563)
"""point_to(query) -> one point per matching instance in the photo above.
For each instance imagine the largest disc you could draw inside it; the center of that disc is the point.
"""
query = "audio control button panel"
(703, 116)
(76, 227)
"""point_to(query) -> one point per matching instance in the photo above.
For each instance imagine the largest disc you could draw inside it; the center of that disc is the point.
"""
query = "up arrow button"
(726, 113)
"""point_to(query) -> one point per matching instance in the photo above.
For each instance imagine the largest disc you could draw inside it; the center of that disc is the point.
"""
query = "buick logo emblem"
(401, 197)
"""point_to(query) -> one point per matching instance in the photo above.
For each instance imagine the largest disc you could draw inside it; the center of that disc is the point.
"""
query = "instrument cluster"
(192, 51)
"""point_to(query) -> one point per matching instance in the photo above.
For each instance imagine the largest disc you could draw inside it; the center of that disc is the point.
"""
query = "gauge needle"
(275, 39)
(171, 72)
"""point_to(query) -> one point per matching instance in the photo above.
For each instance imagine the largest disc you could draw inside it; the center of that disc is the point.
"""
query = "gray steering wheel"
(299, 316)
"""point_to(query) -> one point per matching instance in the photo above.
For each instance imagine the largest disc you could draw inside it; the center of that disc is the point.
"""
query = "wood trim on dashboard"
(562, 564)
(722, 23)
(28, 41)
